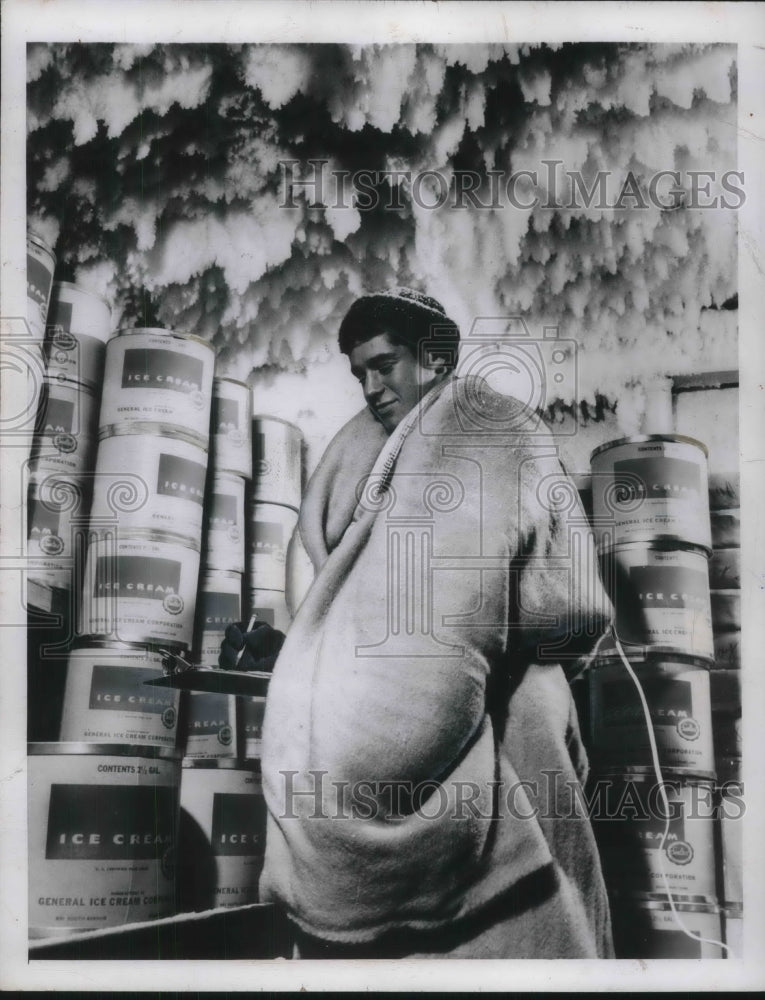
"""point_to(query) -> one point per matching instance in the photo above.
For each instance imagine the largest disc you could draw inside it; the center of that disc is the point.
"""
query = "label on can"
(272, 528)
(216, 610)
(77, 357)
(238, 824)
(661, 597)
(148, 482)
(251, 712)
(631, 828)
(77, 311)
(232, 448)
(679, 704)
(140, 591)
(650, 489)
(226, 805)
(109, 702)
(211, 726)
(165, 370)
(57, 515)
(225, 523)
(40, 267)
(65, 428)
(159, 378)
(181, 478)
(102, 839)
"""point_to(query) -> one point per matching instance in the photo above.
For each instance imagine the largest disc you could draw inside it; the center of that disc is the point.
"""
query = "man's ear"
(437, 364)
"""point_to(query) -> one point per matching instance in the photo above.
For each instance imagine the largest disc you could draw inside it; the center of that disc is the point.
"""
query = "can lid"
(658, 543)
(144, 535)
(161, 331)
(102, 749)
(33, 237)
(643, 438)
(139, 428)
(83, 291)
(232, 381)
(276, 420)
(251, 764)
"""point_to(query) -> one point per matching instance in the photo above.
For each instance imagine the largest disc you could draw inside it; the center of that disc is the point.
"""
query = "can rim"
(233, 381)
(176, 645)
(277, 420)
(149, 428)
(256, 502)
(649, 901)
(642, 438)
(225, 476)
(657, 543)
(35, 238)
(251, 764)
(640, 648)
(161, 331)
(686, 774)
(60, 378)
(87, 645)
(649, 658)
(144, 535)
(80, 748)
(84, 291)
(229, 574)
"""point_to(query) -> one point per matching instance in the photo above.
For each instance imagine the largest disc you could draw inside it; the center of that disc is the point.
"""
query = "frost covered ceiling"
(155, 172)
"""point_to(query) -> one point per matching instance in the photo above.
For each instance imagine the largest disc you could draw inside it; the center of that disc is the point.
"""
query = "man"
(422, 759)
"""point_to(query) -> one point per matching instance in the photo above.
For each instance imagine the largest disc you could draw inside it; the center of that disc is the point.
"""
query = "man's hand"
(261, 647)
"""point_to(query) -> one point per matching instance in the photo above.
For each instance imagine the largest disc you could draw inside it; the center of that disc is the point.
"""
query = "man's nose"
(372, 384)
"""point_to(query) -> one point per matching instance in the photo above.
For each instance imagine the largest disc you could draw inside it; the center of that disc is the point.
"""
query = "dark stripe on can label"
(659, 478)
(669, 587)
(225, 415)
(180, 477)
(39, 281)
(137, 576)
(121, 689)
(157, 369)
(238, 824)
(111, 822)
(222, 511)
(269, 537)
(217, 610)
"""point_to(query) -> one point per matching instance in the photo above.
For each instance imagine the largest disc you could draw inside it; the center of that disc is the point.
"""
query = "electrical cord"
(665, 801)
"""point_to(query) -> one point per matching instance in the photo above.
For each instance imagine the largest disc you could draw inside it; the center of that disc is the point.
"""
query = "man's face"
(392, 378)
